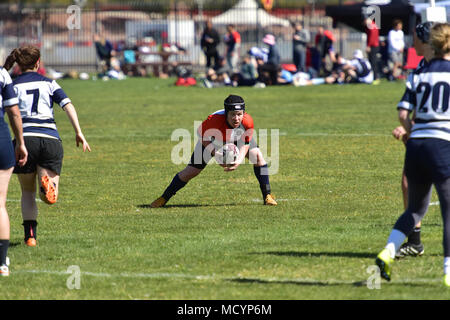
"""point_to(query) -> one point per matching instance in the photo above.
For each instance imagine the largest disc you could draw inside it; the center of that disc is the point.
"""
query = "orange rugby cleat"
(31, 242)
(270, 201)
(49, 189)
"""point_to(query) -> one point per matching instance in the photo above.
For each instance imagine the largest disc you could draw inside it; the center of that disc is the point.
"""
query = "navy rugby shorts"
(7, 155)
(427, 160)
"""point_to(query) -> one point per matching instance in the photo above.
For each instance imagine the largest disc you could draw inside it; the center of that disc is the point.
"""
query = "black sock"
(262, 174)
(173, 187)
(30, 229)
(4, 244)
(414, 236)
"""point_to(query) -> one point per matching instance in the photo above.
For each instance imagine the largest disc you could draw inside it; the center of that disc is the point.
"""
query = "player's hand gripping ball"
(227, 154)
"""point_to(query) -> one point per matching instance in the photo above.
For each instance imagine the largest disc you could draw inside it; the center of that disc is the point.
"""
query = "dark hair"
(26, 57)
(423, 31)
(234, 103)
(396, 22)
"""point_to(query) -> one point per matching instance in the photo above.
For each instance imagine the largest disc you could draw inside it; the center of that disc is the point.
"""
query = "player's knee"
(189, 173)
(256, 158)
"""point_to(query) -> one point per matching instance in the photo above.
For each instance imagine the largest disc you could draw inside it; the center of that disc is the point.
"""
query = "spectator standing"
(396, 45)
(209, 42)
(373, 47)
(233, 43)
(268, 72)
(324, 44)
(300, 41)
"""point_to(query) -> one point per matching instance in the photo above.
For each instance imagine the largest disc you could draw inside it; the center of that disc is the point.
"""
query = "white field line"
(18, 200)
(325, 134)
(213, 277)
(309, 134)
(281, 199)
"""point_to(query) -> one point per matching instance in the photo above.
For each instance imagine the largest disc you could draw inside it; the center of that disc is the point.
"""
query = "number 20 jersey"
(36, 95)
(428, 94)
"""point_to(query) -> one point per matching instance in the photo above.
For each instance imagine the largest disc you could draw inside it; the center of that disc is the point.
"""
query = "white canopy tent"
(420, 7)
(248, 12)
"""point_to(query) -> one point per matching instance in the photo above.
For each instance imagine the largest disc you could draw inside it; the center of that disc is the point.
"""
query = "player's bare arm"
(79, 137)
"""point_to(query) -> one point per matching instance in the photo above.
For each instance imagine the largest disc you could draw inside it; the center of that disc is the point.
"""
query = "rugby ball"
(227, 154)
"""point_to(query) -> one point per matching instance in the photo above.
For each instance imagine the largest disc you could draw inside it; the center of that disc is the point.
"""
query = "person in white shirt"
(396, 45)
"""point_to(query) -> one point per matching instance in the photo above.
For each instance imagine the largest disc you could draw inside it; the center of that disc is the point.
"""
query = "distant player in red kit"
(229, 125)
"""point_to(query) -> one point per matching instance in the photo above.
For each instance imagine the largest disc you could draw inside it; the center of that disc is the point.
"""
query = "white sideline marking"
(436, 203)
(213, 277)
(311, 134)
(259, 200)
(18, 200)
(324, 134)
(124, 274)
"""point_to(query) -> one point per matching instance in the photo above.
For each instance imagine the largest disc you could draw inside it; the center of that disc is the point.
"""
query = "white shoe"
(4, 271)
(259, 85)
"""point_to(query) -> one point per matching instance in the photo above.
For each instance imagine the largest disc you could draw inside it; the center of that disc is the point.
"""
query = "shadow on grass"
(295, 282)
(324, 283)
(168, 206)
(14, 244)
(301, 254)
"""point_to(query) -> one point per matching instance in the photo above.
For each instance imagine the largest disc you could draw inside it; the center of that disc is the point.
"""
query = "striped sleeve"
(9, 96)
(58, 94)
(408, 100)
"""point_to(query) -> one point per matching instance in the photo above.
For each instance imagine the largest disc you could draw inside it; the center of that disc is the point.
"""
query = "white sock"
(394, 242)
(447, 265)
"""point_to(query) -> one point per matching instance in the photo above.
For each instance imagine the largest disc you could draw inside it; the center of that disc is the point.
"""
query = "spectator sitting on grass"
(105, 51)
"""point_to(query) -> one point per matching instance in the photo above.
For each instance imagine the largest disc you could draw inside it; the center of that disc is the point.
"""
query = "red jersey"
(372, 35)
(215, 127)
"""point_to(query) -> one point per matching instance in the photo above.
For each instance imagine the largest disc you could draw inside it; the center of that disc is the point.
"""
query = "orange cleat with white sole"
(49, 189)
(270, 201)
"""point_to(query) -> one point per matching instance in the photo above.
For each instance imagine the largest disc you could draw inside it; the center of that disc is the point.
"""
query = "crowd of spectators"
(314, 59)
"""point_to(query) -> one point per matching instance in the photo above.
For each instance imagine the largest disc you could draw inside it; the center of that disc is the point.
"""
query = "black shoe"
(409, 249)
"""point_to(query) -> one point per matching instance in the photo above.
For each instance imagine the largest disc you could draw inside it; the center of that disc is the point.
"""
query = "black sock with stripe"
(30, 229)
(414, 236)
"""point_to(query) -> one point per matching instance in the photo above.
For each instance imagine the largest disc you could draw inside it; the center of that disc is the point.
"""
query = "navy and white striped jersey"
(363, 70)
(36, 95)
(405, 100)
(8, 98)
(428, 94)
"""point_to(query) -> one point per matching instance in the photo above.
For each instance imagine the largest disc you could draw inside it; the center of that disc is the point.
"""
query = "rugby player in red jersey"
(229, 125)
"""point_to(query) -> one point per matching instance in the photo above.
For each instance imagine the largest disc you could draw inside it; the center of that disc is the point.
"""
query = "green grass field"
(338, 187)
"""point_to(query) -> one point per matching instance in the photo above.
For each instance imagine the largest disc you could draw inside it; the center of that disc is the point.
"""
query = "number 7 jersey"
(36, 95)
(428, 94)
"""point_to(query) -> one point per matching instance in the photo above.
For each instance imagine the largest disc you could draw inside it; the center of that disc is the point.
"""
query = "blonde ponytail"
(440, 39)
